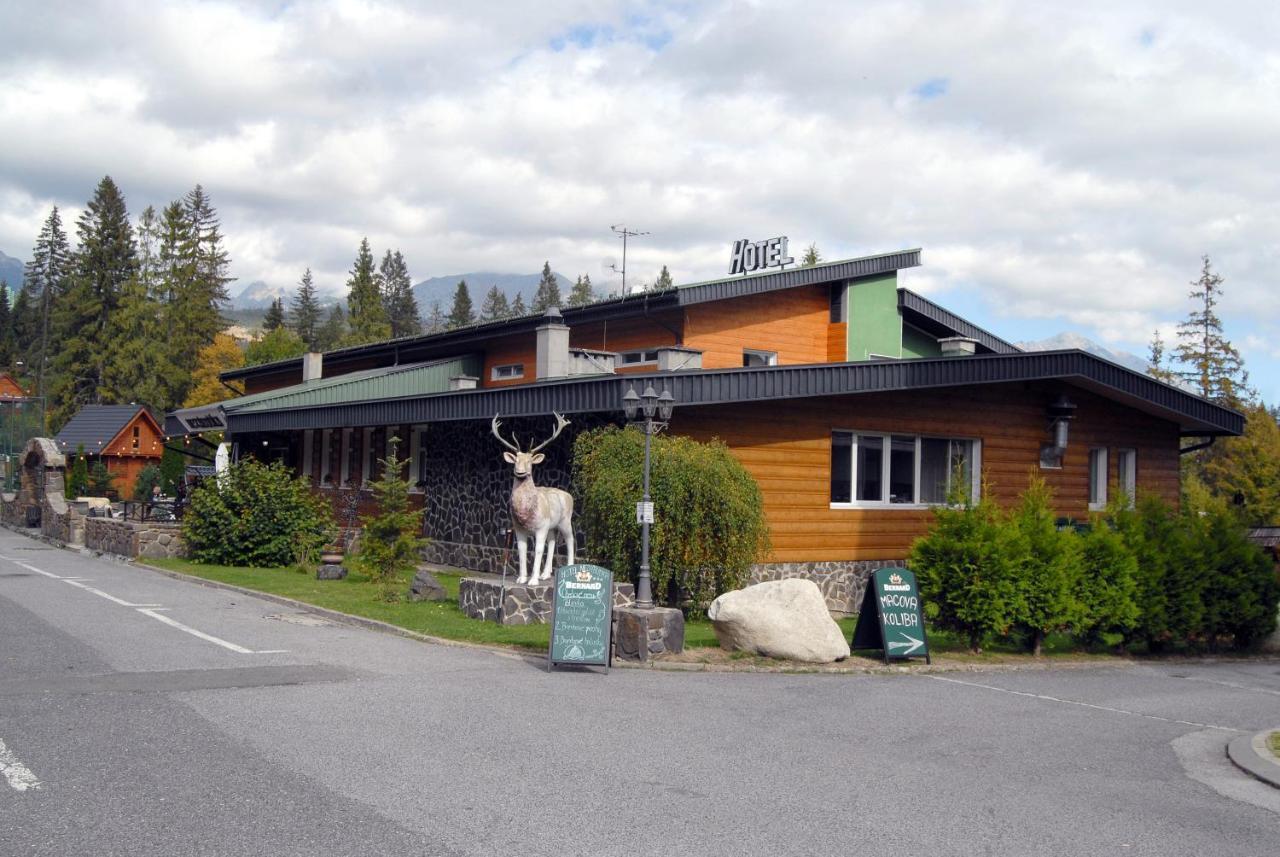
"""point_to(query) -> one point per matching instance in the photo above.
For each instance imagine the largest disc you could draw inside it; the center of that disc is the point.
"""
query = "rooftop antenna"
(622, 231)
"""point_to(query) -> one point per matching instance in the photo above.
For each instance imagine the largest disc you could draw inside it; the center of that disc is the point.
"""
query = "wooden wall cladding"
(521, 348)
(792, 322)
(787, 447)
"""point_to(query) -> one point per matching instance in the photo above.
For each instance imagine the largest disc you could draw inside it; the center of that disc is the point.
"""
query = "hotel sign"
(751, 256)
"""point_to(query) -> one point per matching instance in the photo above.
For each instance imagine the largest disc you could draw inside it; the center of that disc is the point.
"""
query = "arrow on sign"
(914, 644)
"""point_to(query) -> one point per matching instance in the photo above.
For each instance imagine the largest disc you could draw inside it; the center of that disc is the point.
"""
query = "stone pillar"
(641, 635)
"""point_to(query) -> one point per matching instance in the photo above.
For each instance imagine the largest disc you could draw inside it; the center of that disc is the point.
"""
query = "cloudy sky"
(1063, 165)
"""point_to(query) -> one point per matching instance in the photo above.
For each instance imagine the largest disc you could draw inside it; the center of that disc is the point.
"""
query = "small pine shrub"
(1049, 571)
(1240, 589)
(78, 481)
(101, 480)
(390, 544)
(148, 478)
(255, 514)
(1107, 587)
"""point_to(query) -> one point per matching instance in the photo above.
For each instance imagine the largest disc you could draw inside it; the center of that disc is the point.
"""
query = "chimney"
(673, 358)
(312, 366)
(463, 382)
(958, 346)
(553, 346)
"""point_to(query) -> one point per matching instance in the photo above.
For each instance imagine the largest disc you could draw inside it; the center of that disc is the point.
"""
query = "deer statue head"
(522, 462)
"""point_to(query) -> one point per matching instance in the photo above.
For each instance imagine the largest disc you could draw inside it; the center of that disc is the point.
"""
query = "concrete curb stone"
(1250, 754)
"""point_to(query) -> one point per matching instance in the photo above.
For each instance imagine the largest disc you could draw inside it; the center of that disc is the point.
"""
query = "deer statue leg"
(567, 534)
(539, 544)
(522, 548)
(551, 555)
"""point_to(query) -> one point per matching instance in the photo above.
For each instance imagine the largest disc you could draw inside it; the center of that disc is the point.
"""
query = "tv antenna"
(624, 233)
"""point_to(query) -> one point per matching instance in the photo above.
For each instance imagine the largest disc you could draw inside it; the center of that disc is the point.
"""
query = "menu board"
(581, 616)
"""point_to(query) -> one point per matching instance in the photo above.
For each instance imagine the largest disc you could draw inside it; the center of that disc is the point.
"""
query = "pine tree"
(397, 291)
(1156, 367)
(495, 306)
(461, 314)
(365, 310)
(305, 311)
(811, 256)
(517, 307)
(26, 328)
(138, 356)
(548, 293)
(581, 295)
(105, 259)
(275, 316)
(1214, 366)
(436, 320)
(333, 331)
(6, 326)
(664, 281)
(46, 279)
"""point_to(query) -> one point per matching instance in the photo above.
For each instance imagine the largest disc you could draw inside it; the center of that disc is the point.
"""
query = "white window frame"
(886, 438)
(647, 357)
(419, 470)
(345, 454)
(1127, 473)
(308, 450)
(326, 447)
(516, 372)
(770, 357)
(1097, 478)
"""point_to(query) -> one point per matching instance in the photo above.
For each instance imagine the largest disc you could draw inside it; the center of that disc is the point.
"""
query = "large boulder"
(425, 587)
(781, 619)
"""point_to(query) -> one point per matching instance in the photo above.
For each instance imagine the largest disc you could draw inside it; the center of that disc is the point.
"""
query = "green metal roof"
(370, 384)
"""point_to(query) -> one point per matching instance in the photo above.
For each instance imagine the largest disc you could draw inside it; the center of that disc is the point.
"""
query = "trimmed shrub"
(78, 479)
(967, 568)
(254, 515)
(1169, 577)
(1240, 590)
(1107, 586)
(148, 478)
(709, 524)
(391, 544)
(1049, 571)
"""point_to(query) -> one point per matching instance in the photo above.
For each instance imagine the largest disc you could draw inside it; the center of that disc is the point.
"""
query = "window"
(136, 438)
(639, 358)
(508, 371)
(1127, 473)
(308, 447)
(348, 453)
(326, 475)
(370, 458)
(751, 357)
(901, 470)
(1097, 479)
(418, 467)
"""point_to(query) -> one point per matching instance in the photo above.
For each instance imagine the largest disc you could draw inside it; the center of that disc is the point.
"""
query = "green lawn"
(1273, 741)
(359, 597)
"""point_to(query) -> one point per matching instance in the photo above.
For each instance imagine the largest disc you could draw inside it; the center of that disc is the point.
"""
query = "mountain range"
(259, 294)
(1067, 339)
(11, 271)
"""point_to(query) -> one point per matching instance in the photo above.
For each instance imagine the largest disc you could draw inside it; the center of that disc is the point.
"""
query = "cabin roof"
(95, 426)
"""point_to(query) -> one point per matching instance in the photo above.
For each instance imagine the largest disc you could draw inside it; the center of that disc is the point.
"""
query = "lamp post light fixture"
(641, 410)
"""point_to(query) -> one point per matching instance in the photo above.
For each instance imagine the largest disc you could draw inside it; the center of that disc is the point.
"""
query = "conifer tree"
(1214, 367)
(664, 280)
(138, 357)
(367, 316)
(397, 291)
(1156, 366)
(104, 261)
(581, 295)
(517, 307)
(461, 314)
(45, 278)
(495, 306)
(333, 331)
(279, 343)
(548, 293)
(6, 326)
(275, 316)
(305, 311)
(811, 256)
(436, 320)
(26, 328)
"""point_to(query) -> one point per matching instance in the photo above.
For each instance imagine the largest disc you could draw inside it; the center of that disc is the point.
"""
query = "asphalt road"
(217, 724)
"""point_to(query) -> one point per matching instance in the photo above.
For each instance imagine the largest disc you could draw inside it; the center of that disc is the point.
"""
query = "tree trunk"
(1037, 643)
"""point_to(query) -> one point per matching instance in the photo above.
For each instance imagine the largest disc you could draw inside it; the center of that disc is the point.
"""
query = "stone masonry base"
(522, 604)
(842, 581)
(640, 635)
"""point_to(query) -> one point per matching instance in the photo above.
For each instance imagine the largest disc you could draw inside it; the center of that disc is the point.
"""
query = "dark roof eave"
(1193, 415)
(927, 314)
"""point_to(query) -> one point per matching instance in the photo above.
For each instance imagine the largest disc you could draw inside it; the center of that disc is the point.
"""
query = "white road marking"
(1232, 684)
(18, 775)
(1081, 704)
(148, 610)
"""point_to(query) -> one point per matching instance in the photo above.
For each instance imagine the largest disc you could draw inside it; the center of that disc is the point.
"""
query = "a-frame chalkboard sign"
(892, 617)
(581, 617)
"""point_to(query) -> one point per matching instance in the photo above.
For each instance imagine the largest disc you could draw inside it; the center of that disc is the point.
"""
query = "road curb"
(1250, 754)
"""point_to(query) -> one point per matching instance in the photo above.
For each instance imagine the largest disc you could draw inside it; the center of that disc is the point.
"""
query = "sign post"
(892, 617)
(581, 617)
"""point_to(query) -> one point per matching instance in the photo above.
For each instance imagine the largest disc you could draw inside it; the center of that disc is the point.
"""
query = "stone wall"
(842, 582)
(524, 604)
(134, 539)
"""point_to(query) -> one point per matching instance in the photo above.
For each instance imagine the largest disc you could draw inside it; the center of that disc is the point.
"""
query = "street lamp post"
(641, 410)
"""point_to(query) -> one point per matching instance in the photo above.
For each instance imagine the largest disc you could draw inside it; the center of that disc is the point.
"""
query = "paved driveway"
(145, 715)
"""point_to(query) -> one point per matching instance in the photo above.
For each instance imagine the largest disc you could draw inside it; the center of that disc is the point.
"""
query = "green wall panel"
(917, 343)
(875, 326)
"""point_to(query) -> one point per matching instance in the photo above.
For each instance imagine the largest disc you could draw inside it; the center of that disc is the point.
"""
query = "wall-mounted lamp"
(1060, 412)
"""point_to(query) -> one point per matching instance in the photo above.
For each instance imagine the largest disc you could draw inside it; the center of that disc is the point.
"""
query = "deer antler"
(501, 439)
(561, 422)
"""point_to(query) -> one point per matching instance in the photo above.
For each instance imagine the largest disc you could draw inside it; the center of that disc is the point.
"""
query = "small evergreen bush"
(1169, 573)
(1107, 586)
(391, 544)
(1049, 571)
(148, 478)
(255, 515)
(1240, 590)
(78, 481)
(709, 525)
(100, 480)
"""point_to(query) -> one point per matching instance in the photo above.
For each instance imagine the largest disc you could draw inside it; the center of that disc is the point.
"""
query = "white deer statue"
(537, 512)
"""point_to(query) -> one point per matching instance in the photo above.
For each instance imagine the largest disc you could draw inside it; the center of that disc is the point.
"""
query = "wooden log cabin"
(855, 403)
(125, 438)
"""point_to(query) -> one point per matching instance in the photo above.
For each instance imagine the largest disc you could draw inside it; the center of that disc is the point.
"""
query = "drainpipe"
(1198, 446)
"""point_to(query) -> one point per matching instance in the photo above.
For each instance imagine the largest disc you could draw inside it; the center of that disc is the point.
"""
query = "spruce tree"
(334, 330)
(461, 314)
(436, 320)
(548, 293)
(397, 291)
(275, 316)
(6, 326)
(581, 295)
(1156, 366)
(495, 306)
(517, 307)
(664, 280)
(811, 256)
(26, 328)
(137, 355)
(1214, 367)
(46, 279)
(305, 311)
(367, 317)
(105, 259)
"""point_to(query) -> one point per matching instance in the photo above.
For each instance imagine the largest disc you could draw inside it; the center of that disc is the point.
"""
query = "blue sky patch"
(934, 87)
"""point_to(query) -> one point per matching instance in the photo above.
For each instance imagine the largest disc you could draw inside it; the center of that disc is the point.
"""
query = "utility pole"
(622, 231)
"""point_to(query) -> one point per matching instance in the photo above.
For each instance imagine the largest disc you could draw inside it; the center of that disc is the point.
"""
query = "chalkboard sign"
(581, 616)
(891, 617)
